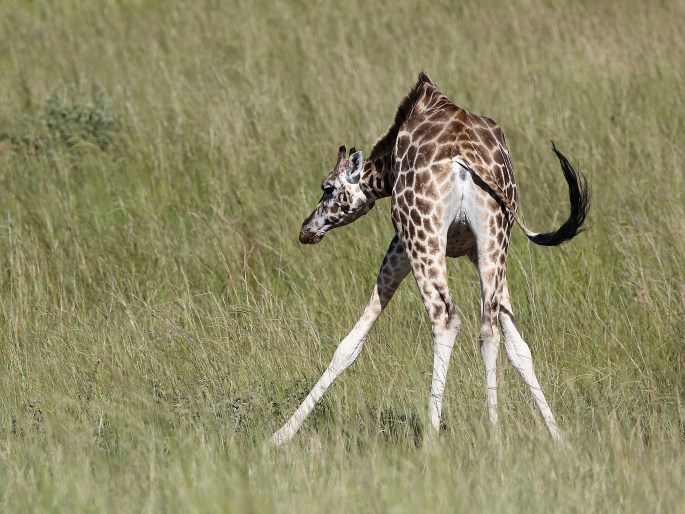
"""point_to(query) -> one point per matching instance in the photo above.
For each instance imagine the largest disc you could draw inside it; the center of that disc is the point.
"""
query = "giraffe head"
(343, 199)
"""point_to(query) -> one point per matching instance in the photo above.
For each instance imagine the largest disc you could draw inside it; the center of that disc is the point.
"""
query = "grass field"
(159, 318)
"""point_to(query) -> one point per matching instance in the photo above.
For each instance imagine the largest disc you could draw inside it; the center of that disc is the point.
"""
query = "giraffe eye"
(327, 189)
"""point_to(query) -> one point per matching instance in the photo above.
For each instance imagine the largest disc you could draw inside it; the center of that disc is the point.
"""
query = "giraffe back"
(438, 130)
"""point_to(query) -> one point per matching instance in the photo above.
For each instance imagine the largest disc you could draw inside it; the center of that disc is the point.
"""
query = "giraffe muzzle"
(310, 238)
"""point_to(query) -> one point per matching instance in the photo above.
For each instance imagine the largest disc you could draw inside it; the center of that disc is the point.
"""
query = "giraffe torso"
(447, 161)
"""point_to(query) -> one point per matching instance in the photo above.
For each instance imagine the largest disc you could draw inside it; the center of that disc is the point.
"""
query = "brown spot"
(422, 205)
(428, 148)
(402, 144)
(496, 176)
(444, 152)
(471, 155)
(442, 170)
(430, 190)
(432, 132)
(433, 244)
(415, 216)
(410, 159)
(447, 136)
(439, 116)
(484, 135)
(421, 177)
(409, 197)
(437, 310)
(463, 135)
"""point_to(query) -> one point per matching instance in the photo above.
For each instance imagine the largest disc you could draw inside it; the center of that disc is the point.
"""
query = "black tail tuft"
(579, 195)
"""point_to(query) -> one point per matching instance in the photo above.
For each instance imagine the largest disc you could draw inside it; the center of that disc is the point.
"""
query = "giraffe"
(451, 182)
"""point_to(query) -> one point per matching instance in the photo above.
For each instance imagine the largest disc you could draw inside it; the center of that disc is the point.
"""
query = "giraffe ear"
(354, 167)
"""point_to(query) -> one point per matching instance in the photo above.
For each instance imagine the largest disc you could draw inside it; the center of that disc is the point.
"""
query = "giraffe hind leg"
(489, 337)
(430, 272)
(518, 353)
(489, 348)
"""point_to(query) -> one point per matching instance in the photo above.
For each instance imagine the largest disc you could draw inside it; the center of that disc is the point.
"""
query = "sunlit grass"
(159, 318)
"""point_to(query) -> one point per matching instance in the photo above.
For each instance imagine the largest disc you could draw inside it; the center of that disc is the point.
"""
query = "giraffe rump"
(579, 196)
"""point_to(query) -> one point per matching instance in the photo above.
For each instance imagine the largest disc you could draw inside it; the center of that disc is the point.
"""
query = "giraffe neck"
(378, 177)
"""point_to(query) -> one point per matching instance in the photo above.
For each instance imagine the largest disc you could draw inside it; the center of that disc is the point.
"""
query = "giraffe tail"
(579, 197)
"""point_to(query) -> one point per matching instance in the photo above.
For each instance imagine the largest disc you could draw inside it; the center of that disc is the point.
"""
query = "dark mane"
(387, 140)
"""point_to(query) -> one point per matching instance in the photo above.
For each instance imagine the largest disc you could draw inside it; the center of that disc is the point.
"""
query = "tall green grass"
(159, 318)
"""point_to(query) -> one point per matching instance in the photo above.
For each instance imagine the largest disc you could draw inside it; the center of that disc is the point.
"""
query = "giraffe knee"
(453, 321)
(445, 319)
(488, 327)
(487, 332)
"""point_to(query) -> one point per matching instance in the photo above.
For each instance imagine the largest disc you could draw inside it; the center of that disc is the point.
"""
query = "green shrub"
(67, 118)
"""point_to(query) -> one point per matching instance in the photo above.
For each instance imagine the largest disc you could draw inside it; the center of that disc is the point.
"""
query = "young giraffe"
(453, 192)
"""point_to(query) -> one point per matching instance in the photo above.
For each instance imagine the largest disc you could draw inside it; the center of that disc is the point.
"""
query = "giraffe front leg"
(393, 270)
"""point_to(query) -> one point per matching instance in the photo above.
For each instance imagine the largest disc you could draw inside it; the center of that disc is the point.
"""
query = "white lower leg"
(489, 347)
(443, 343)
(520, 357)
(346, 353)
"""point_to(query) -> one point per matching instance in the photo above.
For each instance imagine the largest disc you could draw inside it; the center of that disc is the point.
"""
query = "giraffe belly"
(460, 239)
